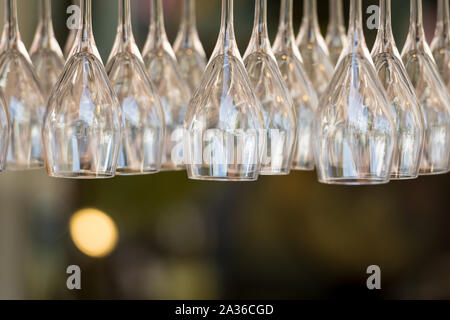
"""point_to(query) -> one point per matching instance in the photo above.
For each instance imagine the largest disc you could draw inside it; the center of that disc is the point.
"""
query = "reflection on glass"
(225, 131)
(162, 67)
(82, 126)
(432, 95)
(301, 90)
(23, 97)
(355, 132)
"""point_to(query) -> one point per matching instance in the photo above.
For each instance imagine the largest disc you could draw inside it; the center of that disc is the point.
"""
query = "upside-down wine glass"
(225, 134)
(45, 51)
(440, 46)
(300, 88)
(23, 97)
(354, 131)
(141, 111)
(277, 106)
(407, 114)
(313, 49)
(336, 37)
(82, 128)
(188, 48)
(161, 64)
(432, 95)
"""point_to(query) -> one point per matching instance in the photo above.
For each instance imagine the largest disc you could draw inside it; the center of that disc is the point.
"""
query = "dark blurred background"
(281, 237)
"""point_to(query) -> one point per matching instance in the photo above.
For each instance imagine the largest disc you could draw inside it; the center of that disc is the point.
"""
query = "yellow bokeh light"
(93, 232)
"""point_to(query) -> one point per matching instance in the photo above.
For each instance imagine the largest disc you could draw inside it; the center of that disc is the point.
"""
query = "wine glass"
(336, 37)
(142, 116)
(188, 48)
(277, 106)
(407, 114)
(82, 127)
(225, 134)
(354, 130)
(23, 97)
(45, 51)
(300, 88)
(162, 67)
(313, 49)
(440, 46)
(432, 95)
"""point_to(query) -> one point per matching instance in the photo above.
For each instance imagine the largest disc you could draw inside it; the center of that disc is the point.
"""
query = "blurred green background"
(281, 237)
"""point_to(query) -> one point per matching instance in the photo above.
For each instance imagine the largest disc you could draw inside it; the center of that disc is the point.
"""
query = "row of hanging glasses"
(304, 103)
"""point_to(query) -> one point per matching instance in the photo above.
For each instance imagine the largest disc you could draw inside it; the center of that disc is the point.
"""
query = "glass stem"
(226, 44)
(286, 29)
(46, 26)
(260, 34)
(46, 12)
(86, 28)
(188, 19)
(188, 28)
(310, 19)
(286, 15)
(446, 19)
(356, 44)
(443, 19)
(385, 18)
(355, 30)
(385, 34)
(12, 27)
(125, 28)
(416, 24)
(336, 15)
(227, 24)
(157, 20)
